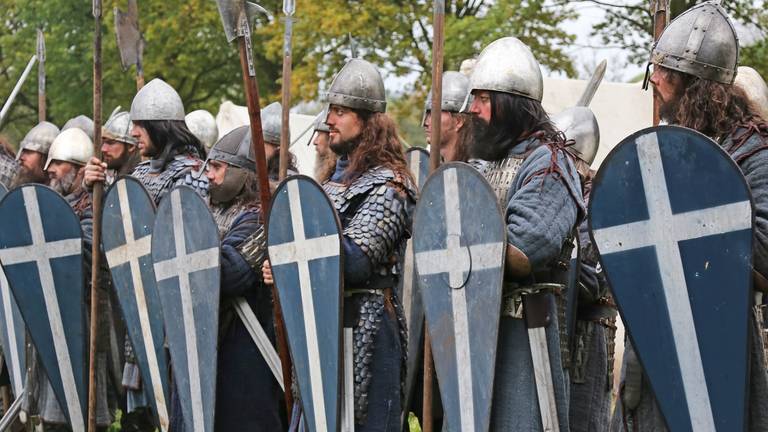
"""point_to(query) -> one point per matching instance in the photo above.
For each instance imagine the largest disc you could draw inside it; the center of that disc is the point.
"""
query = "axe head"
(231, 11)
(128, 36)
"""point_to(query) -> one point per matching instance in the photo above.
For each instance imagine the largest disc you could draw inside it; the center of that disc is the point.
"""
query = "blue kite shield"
(12, 331)
(41, 250)
(418, 163)
(304, 245)
(127, 221)
(185, 253)
(671, 215)
(459, 241)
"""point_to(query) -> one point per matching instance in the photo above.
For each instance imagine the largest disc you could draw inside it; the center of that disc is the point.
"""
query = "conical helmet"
(118, 128)
(702, 42)
(455, 90)
(272, 123)
(235, 149)
(157, 101)
(82, 122)
(71, 145)
(358, 85)
(580, 125)
(508, 66)
(202, 124)
(320, 124)
(39, 138)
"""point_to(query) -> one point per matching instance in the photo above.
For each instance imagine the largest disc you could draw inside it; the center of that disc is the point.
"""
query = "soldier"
(248, 397)
(539, 192)
(373, 192)
(455, 125)
(325, 158)
(202, 125)
(33, 150)
(271, 125)
(119, 149)
(694, 88)
(68, 154)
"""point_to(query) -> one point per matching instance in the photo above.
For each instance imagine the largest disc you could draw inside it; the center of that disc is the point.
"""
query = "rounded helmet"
(39, 138)
(702, 42)
(580, 125)
(358, 85)
(508, 66)
(118, 128)
(455, 90)
(320, 124)
(157, 101)
(82, 122)
(71, 145)
(202, 125)
(272, 123)
(235, 149)
(754, 86)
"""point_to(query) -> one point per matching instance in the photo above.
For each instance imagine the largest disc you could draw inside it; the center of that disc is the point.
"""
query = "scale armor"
(500, 175)
(8, 169)
(179, 171)
(374, 210)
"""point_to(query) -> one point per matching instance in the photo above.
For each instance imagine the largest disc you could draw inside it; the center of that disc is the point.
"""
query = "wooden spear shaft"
(257, 141)
(434, 162)
(41, 104)
(285, 135)
(660, 10)
(97, 197)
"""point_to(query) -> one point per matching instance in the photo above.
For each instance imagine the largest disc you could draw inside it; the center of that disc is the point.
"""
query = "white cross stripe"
(676, 228)
(301, 251)
(43, 253)
(457, 261)
(10, 328)
(131, 252)
(181, 266)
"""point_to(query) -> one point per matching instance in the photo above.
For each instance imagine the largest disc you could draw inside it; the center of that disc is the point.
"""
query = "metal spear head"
(289, 7)
(592, 85)
(40, 46)
(129, 39)
(230, 12)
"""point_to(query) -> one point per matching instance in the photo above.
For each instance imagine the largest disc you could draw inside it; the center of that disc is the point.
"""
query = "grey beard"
(65, 185)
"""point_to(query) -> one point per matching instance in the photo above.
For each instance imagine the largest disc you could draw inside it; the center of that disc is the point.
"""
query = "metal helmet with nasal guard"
(72, 145)
(358, 85)
(118, 128)
(235, 149)
(157, 101)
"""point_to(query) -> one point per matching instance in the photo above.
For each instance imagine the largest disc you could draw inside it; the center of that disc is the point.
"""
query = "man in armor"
(694, 87)
(248, 397)
(374, 193)
(325, 158)
(272, 126)
(118, 147)
(538, 188)
(455, 125)
(33, 150)
(590, 363)
(202, 125)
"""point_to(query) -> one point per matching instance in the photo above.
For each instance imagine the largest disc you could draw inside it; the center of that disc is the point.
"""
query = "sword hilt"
(536, 308)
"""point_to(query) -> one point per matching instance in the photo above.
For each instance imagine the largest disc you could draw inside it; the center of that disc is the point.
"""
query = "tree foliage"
(185, 45)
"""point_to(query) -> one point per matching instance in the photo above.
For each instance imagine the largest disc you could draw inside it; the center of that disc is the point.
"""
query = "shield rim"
(315, 184)
(598, 179)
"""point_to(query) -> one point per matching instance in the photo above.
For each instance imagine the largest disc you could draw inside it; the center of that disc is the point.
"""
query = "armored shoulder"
(186, 172)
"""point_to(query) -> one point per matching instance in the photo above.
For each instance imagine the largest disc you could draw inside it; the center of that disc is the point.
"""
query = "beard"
(66, 184)
(117, 163)
(668, 109)
(344, 147)
(27, 176)
(325, 165)
(487, 142)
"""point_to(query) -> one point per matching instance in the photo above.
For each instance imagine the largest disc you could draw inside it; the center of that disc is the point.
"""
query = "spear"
(17, 88)
(660, 11)
(97, 195)
(289, 8)
(41, 107)
(234, 16)
(129, 40)
(434, 161)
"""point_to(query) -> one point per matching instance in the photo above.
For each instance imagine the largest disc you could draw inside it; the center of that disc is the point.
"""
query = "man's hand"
(266, 273)
(95, 171)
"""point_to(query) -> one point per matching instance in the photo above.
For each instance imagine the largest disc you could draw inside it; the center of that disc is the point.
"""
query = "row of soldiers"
(493, 118)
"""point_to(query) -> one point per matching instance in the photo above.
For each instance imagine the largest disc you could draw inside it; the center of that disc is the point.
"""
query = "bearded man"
(118, 148)
(325, 158)
(538, 188)
(694, 88)
(33, 150)
(455, 126)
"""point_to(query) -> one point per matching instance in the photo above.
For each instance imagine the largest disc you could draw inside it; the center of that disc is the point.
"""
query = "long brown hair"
(710, 107)
(377, 145)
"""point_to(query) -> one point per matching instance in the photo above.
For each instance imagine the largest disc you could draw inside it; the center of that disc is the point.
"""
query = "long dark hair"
(377, 145)
(172, 138)
(513, 118)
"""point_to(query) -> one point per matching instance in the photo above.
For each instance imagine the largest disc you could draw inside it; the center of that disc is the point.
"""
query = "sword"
(17, 88)
(259, 337)
(593, 84)
(535, 311)
(41, 106)
(98, 191)
(348, 403)
(236, 21)
(289, 8)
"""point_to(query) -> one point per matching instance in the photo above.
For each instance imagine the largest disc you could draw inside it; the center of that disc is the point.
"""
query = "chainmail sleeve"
(254, 249)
